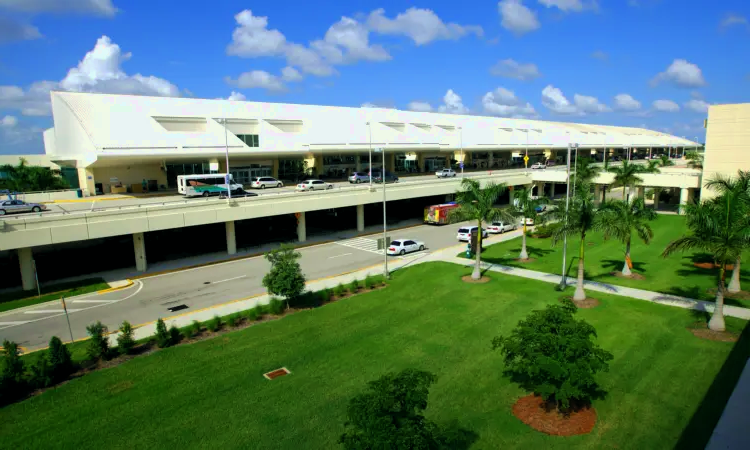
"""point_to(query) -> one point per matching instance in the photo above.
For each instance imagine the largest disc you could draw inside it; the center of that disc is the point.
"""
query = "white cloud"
(258, 79)
(666, 106)
(352, 36)
(452, 104)
(600, 55)
(563, 5)
(290, 74)
(731, 20)
(96, 7)
(252, 37)
(98, 71)
(368, 105)
(682, 73)
(236, 96)
(13, 30)
(554, 100)
(503, 102)
(625, 102)
(421, 25)
(509, 68)
(697, 105)
(9, 121)
(516, 17)
(419, 106)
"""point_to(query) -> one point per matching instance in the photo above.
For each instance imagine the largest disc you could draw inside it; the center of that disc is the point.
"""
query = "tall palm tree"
(581, 218)
(694, 160)
(621, 218)
(664, 161)
(739, 190)
(525, 207)
(585, 170)
(626, 175)
(720, 227)
(477, 203)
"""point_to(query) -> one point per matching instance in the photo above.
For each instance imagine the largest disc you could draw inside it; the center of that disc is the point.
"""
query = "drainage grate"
(177, 308)
(276, 373)
(206, 282)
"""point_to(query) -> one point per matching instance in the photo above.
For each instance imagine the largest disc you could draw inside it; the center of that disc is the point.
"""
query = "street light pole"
(385, 237)
(461, 143)
(226, 150)
(563, 278)
(369, 173)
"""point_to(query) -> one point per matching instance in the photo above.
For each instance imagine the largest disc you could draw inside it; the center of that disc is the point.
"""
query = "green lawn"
(212, 394)
(674, 275)
(20, 299)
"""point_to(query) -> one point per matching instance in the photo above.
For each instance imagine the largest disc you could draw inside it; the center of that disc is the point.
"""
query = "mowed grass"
(211, 394)
(20, 299)
(674, 275)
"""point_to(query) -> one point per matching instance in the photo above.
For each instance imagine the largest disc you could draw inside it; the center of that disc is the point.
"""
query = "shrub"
(276, 307)
(215, 324)
(12, 383)
(368, 282)
(196, 328)
(187, 332)
(98, 346)
(551, 354)
(354, 286)
(174, 335)
(232, 320)
(41, 372)
(285, 277)
(338, 291)
(389, 414)
(546, 230)
(125, 341)
(163, 339)
(252, 314)
(324, 295)
(58, 356)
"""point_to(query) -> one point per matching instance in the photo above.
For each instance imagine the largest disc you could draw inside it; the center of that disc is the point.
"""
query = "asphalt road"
(149, 298)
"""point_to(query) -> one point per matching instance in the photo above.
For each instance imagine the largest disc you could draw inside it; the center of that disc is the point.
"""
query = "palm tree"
(739, 189)
(626, 175)
(525, 207)
(620, 218)
(720, 227)
(694, 160)
(664, 161)
(586, 171)
(23, 177)
(581, 218)
(477, 203)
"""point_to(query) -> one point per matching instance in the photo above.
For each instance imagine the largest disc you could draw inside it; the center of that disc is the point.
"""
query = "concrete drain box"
(276, 373)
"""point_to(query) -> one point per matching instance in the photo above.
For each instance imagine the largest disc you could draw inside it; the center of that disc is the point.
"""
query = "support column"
(231, 238)
(597, 194)
(657, 191)
(552, 190)
(491, 160)
(540, 189)
(684, 198)
(359, 163)
(301, 228)
(360, 218)
(139, 244)
(86, 182)
(26, 262)
(275, 168)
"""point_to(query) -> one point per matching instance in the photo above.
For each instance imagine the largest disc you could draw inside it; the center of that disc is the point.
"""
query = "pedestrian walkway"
(362, 243)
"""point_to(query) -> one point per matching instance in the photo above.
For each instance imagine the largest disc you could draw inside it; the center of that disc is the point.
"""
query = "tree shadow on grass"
(615, 265)
(701, 425)
(512, 255)
(453, 436)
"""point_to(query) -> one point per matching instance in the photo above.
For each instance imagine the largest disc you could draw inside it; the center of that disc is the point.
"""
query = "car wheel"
(330, 186)
(262, 186)
(357, 181)
(206, 194)
(402, 252)
(279, 185)
(2, 212)
(36, 209)
(421, 247)
(454, 175)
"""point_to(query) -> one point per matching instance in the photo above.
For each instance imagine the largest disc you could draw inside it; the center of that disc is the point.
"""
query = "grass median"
(20, 299)
(211, 394)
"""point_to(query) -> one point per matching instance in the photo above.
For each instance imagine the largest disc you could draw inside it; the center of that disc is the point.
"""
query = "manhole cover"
(276, 373)
(177, 308)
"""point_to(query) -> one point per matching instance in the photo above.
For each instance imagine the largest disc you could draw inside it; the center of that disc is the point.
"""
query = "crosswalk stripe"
(368, 245)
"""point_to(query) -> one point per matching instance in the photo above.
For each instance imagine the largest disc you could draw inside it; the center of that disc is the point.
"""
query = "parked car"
(313, 185)
(377, 177)
(445, 173)
(538, 166)
(501, 227)
(359, 177)
(19, 206)
(264, 182)
(403, 246)
(540, 208)
(464, 233)
(528, 220)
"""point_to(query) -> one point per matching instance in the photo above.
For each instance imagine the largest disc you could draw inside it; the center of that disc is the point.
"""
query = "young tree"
(60, 362)
(626, 176)
(389, 414)
(620, 218)
(12, 383)
(125, 340)
(525, 207)
(581, 218)
(720, 227)
(163, 339)
(694, 160)
(552, 354)
(98, 346)
(664, 161)
(285, 277)
(478, 204)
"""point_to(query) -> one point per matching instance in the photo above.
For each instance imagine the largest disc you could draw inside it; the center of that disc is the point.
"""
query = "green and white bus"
(206, 185)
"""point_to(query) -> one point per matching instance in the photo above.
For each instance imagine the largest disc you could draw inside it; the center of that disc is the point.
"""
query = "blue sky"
(651, 63)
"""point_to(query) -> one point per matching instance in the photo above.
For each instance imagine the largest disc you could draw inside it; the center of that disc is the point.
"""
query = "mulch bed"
(588, 303)
(524, 261)
(701, 330)
(531, 410)
(468, 279)
(632, 276)
(710, 265)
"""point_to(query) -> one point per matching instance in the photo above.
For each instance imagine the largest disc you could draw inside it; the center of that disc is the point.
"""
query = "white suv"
(264, 182)
(445, 173)
(464, 234)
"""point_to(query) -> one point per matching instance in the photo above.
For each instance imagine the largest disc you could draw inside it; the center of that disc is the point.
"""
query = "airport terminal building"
(118, 143)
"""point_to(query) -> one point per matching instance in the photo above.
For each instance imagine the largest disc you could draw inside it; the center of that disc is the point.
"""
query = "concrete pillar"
(231, 238)
(420, 161)
(26, 262)
(684, 198)
(359, 163)
(552, 190)
(275, 168)
(540, 189)
(139, 245)
(301, 228)
(657, 191)
(597, 194)
(86, 181)
(360, 218)
(491, 160)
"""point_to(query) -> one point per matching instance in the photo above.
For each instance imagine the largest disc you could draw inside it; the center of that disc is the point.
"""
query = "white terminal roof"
(140, 125)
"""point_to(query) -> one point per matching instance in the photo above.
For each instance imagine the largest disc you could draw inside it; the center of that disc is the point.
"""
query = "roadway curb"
(128, 283)
(51, 302)
(87, 200)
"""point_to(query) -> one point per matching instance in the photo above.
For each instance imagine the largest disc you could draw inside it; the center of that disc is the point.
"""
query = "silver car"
(313, 185)
(19, 206)
(359, 177)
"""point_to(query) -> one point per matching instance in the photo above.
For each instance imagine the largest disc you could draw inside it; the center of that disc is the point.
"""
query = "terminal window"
(251, 140)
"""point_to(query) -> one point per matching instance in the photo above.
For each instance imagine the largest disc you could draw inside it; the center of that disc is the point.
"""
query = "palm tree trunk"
(734, 284)
(626, 267)
(717, 318)
(604, 193)
(477, 273)
(580, 294)
(524, 254)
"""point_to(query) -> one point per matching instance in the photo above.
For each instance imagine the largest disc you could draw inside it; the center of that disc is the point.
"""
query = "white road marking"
(21, 322)
(51, 311)
(338, 256)
(228, 279)
(368, 245)
(93, 301)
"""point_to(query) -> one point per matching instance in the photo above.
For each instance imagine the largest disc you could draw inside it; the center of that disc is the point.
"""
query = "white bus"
(206, 185)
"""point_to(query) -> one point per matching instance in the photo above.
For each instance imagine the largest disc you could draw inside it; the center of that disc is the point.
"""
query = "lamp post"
(226, 152)
(563, 278)
(369, 173)
(461, 145)
(385, 240)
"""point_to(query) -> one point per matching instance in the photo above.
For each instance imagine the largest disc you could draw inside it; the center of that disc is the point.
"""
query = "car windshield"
(497, 224)
(463, 230)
